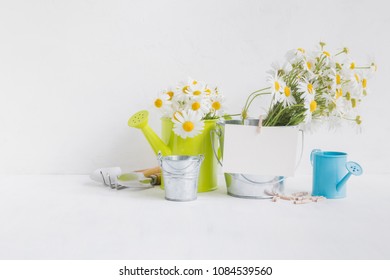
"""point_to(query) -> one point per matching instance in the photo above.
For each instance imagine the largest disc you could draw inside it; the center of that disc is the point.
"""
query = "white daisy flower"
(364, 79)
(322, 54)
(355, 79)
(373, 68)
(311, 106)
(170, 92)
(217, 104)
(357, 123)
(286, 97)
(295, 55)
(199, 105)
(193, 82)
(187, 124)
(308, 90)
(183, 88)
(349, 63)
(277, 68)
(162, 103)
(210, 91)
(196, 90)
(276, 83)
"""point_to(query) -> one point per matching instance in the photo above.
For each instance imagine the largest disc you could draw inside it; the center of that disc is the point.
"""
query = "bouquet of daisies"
(315, 87)
(188, 105)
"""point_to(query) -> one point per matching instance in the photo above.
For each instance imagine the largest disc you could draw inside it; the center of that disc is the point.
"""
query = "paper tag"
(270, 152)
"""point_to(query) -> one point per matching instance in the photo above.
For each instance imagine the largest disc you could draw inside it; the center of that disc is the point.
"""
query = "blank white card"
(272, 151)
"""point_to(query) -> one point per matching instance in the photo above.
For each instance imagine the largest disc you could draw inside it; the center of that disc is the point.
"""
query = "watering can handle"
(218, 133)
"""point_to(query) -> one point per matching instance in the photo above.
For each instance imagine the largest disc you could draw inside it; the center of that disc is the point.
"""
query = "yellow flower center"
(353, 102)
(185, 89)
(313, 106)
(326, 53)
(287, 91)
(352, 65)
(197, 92)
(208, 91)
(339, 93)
(358, 120)
(158, 103)
(357, 78)
(171, 94)
(338, 79)
(188, 126)
(277, 85)
(308, 64)
(195, 106)
(301, 50)
(310, 88)
(194, 82)
(364, 83)
(216, 105)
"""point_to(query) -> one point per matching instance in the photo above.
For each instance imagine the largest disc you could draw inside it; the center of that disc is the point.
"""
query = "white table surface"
(71, 217)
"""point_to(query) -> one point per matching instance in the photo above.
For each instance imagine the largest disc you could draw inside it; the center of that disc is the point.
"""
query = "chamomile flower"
(162, 103)
(196, 90)
(276, 83)
(278, 69)
(183, 88)
(295, 55)
(193, 82)
(355, 79)
(210, 91)
(350, 63)
(309, 64)
(311, 106)
(187, 124)
(199, 105)
(170, 92)
(286, 97)
(217, 104)
(364, 83)
(373, 68)
(308, 90)
(357, 123)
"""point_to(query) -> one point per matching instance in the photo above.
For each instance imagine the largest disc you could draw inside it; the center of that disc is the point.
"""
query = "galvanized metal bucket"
(246, 185)
(180, 175)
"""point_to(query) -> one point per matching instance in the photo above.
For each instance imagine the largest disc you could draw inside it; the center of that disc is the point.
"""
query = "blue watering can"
(331, 172)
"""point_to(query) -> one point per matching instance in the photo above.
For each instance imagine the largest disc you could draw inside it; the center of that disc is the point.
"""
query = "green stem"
(250, 99)
(260, 90)
(254, 97)
(279, 114)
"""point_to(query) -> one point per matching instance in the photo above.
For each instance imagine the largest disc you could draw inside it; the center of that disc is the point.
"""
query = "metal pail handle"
(216, 132)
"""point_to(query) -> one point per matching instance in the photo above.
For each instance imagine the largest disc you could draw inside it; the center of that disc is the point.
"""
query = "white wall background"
(73, 72)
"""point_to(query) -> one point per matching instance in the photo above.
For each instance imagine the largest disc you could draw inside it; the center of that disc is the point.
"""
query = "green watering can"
(172, 144)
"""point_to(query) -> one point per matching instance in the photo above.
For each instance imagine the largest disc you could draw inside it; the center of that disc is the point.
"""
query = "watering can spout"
(140, 120)
(353, 169)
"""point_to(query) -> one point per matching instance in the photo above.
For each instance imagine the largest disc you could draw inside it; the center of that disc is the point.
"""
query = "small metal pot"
(180, 175)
